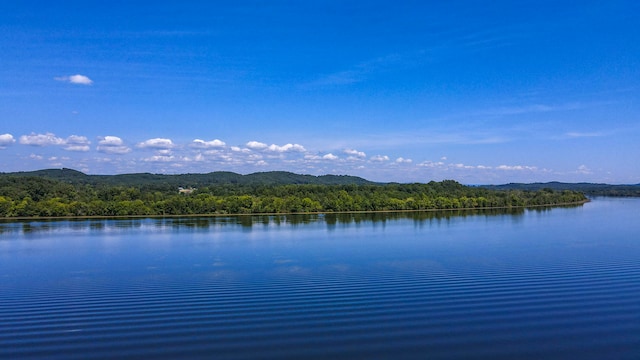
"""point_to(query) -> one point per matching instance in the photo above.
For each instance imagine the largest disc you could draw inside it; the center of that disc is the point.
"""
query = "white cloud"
(379, 158)
(41, 139)
(54, 161)
(581, 135)
(461, 166)
(199, 157)
(286, 148)
(159, 158)
(516, 167)
(402, 160)
(536, 108)
(77, 143)
(111, 141)
(198, 143)
(330, 157)
(112, 145)
(156, 143)
(239, 149)
(80, 79)
(431, 164)
(356, 153)
(583, 169)
(75, 79)
(256, 145)
(72, 143)
(6, 140)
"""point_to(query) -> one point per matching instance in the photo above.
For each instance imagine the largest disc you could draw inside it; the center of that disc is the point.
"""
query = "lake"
(553, 283)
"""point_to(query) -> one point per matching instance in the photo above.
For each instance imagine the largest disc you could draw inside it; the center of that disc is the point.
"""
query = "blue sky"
(483, 92)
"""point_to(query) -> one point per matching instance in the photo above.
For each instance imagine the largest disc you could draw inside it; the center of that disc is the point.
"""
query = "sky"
(481, 92)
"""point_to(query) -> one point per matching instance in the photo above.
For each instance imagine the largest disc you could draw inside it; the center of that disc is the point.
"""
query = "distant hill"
(191, 180)
(589, 189)
(165, 182)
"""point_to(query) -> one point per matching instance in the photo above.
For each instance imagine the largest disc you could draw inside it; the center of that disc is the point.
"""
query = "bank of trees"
(41, 197)
(52, 199)
(589, 189)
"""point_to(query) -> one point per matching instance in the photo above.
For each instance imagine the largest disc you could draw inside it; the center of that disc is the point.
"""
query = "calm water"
(539, 284)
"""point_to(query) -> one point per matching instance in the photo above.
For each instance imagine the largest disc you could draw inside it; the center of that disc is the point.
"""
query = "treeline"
(30, 196)
(167, 182)
(589, 189)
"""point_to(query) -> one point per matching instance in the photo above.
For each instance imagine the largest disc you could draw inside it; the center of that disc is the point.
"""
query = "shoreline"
(107, 217)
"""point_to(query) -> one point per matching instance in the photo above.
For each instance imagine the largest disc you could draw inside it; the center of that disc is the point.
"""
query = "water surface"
(549, 283)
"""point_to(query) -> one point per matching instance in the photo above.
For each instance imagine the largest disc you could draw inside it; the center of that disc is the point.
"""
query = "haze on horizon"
(479, 92)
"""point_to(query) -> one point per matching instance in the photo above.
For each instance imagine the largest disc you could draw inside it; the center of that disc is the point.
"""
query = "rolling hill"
(191, 180)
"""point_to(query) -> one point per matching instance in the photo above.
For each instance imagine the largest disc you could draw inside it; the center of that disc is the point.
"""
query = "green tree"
(5, 206)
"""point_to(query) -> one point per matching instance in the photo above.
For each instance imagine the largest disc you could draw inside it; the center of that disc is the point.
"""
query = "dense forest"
(589, 189)
(70, 193)
(170, 182)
